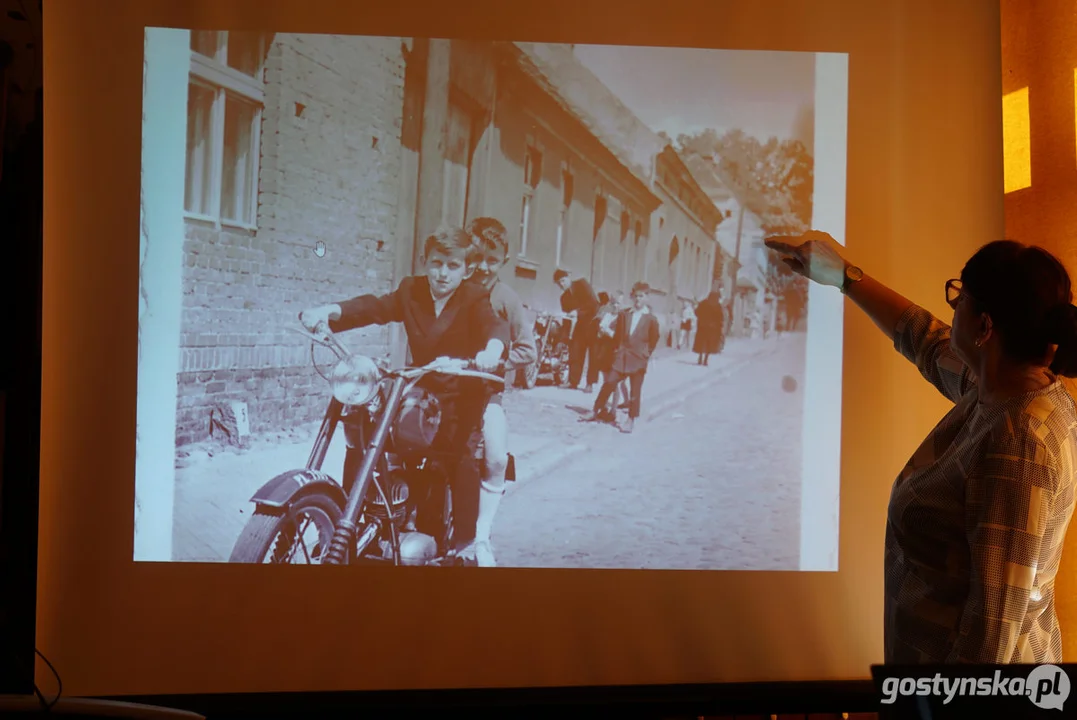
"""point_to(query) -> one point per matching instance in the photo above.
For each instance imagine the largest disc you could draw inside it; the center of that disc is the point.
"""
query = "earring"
(979, 343)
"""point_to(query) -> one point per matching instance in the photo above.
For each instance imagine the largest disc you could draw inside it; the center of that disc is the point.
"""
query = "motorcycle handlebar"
(323, 335)
(319, 334)
(462, 368)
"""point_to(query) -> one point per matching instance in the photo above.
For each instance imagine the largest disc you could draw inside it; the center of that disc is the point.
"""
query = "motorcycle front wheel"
(299, 537)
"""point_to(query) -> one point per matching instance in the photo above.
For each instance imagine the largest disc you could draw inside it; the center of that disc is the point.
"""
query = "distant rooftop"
(560, 73)
(557, 70)
(707, 177)
(714, 182)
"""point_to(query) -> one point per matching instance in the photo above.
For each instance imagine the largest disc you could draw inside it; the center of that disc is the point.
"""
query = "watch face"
(854, 273)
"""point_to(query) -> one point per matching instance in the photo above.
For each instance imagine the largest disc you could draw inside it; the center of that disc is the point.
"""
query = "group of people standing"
(616, 339)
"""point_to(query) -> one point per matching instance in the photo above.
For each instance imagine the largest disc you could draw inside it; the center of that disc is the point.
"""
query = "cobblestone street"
(709, 479)
(711, 483)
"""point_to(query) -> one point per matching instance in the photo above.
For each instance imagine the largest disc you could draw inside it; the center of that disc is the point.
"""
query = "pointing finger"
(783, 243)
(794, 264)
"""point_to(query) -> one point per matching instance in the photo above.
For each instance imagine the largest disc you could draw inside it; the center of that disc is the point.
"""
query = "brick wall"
(330, 166)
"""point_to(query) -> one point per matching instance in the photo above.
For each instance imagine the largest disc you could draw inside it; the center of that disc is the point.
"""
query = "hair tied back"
(1062, 325)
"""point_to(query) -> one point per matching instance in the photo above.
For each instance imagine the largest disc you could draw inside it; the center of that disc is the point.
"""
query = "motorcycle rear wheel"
(560, 374)
(527, 377)
(270, 537)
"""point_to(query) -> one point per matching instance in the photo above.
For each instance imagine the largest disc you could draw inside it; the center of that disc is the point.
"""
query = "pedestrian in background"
(604, 348)
(636, 336)
(688, 322)
(710, 327)
(579, 297)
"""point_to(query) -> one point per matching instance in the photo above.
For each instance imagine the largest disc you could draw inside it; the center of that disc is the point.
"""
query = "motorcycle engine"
(417, 548)
(397, 493)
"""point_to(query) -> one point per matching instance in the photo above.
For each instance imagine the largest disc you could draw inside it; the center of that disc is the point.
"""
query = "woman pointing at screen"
(978, 515)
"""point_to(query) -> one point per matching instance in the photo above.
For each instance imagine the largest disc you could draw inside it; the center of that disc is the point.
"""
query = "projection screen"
(297, 179)
(231, 165)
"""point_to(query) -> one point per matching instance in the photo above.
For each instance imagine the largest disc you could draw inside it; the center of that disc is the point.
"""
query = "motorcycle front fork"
(325, 435)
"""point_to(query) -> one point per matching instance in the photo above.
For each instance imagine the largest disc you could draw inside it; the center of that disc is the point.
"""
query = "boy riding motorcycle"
(444, 317)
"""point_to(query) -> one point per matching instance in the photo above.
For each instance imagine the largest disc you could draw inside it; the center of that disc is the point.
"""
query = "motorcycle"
(552, 334)
(395, 504)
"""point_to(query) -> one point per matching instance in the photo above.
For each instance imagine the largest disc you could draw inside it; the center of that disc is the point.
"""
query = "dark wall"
(20, 387)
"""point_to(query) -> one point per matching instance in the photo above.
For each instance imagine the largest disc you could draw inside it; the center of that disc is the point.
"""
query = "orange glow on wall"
(1017, 155)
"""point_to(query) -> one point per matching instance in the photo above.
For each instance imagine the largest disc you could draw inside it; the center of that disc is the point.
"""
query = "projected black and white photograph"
(410, 301)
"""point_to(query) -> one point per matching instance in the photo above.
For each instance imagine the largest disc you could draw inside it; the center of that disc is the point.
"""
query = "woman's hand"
(815, 255)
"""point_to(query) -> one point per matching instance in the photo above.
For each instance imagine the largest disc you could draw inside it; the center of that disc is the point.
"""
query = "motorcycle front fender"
(284, 489)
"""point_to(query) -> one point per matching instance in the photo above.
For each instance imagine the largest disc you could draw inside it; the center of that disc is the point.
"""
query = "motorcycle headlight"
(355, 380)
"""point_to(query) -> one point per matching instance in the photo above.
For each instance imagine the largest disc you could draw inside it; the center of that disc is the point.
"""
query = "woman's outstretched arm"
(883, 305)
(819, 257)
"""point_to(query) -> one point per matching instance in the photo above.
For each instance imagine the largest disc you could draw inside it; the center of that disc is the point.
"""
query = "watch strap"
(850, 275)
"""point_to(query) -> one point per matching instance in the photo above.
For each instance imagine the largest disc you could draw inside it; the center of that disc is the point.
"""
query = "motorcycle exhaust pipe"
(344, 540)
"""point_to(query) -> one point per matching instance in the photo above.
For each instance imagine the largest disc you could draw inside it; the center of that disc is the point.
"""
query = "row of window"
(1016, 135)
(532, 177)
(634, 265)
(225, 100)
(224, 111)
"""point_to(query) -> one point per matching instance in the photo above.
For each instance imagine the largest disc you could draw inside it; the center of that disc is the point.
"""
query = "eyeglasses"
(954, 293)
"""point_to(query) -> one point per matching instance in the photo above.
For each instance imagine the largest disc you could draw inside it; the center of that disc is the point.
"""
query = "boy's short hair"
(558, 274)
(450, 241)
(603, 298)
(489, 233)
(641, 288)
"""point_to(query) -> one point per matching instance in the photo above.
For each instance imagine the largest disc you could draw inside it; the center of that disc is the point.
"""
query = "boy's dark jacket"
(580, 297)
(465, 326)
(634, 349)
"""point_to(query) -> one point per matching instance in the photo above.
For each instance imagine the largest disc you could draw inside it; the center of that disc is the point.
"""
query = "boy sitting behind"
(489, 236)
(443, 317)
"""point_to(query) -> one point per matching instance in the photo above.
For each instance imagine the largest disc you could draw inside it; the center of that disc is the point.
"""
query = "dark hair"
(489, 233)
(603, 298)
(1027, 293)
(450, 241)
(558, 274)
(641, 287)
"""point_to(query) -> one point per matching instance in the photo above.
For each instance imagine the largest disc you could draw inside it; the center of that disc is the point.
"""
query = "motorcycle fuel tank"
(417, 548)
(417, 422)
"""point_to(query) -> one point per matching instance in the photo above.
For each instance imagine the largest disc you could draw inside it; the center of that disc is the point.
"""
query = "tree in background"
(773, 179)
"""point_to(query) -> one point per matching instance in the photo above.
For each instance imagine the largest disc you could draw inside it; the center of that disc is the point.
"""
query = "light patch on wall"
(1017, 155)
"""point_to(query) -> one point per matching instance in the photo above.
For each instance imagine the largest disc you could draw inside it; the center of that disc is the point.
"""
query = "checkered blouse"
(977, 518)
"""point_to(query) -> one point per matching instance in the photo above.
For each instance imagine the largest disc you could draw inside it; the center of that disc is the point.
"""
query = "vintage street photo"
(454, 303)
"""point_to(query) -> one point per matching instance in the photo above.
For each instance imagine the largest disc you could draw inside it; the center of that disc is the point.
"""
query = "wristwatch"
(852, 274)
